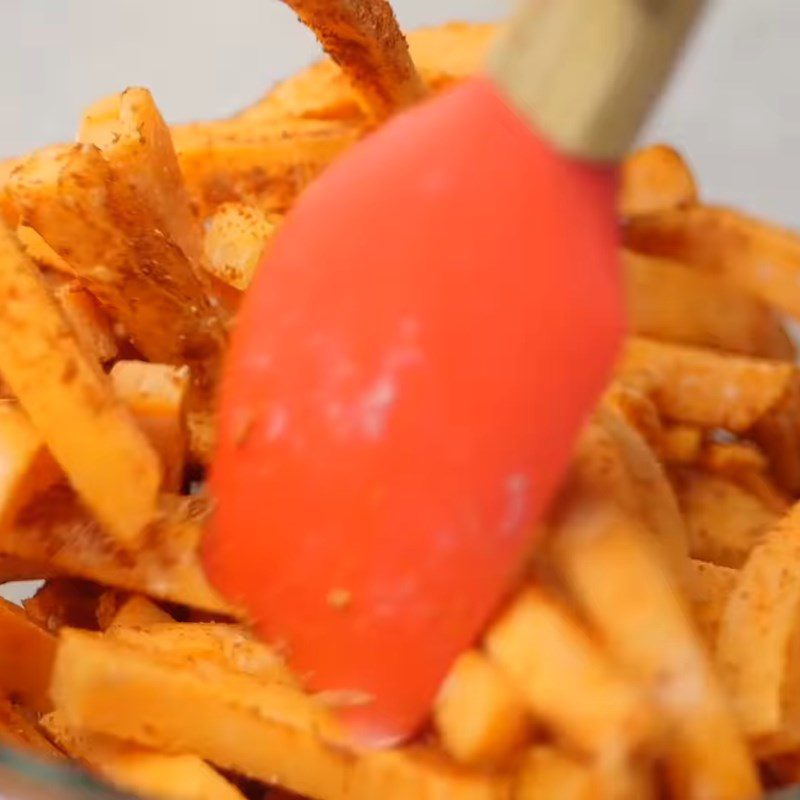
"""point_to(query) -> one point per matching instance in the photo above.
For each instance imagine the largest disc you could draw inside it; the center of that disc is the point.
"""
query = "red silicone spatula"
(417, 353)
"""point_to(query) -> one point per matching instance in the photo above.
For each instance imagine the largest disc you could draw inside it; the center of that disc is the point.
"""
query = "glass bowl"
(24, 778)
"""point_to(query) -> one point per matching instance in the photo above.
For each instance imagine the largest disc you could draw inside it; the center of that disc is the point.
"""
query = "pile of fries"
(652, 647)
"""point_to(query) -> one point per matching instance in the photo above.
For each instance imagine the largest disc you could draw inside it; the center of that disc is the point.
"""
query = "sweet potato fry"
(18, 731)
(709, 588)
(546, 772)
(724, 520)
(704, 388)
(618, 577)
(753, 648)
(778, 435)
(14, 569)
(443, 55)
(364, 39)
(111, 237)
(761, 258)
(672, 302)
(41, 253)
(266, 165)
(130, 132)
(236, 236)
(8, 211)
(156, 395)
(257, 729)
(479, 715)
(134, 612)
(261, 730)
(680, 444)
(576, 691)
(655, 178)
(26, 466)
(26, 658)
(58, 530)
(136, 769)
(225, 647)
(70, 402)
(88, 320)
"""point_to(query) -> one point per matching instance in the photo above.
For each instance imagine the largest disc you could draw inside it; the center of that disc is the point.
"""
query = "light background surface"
(734, 107)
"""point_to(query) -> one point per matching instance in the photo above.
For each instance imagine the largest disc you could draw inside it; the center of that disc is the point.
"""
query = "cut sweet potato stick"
(265, 731)
(26, 658)
(58, 530)
(236, 236)
(265, 165)
(761, 258)
(757, 627)
(672, 302)
(135, 612)
(70, 402)
(479, 715)
(156, 395)
(226, 647)
(654, 500)
(131, 134)
(778, 435)
(655, 178)
(709, 588)
(704, 388)
(19, 732)
(443, 55)
(88, 320)
(724, 520)
(40, 252)
(111, 238)
(26, 467)
(364, 39)
(139, 770)
(680, 444)
(8, 211)
(616, 573)
(576, 691)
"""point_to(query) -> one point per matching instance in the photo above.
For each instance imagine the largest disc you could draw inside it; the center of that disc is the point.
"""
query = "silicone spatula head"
(418, 352)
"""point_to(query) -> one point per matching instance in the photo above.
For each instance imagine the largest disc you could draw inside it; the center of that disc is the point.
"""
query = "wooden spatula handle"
(586, 72)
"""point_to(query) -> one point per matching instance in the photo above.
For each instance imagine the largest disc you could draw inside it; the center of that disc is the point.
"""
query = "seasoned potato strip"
(88, 320)
(655, 178)
(134, 612)
(653, 498)
(227, 647)
(364, 39)
(40, 252)
(545, 773)
(236, 236)
(8, 211)
(111, 237)
(761, 258)
(617, 575)
(156, 395)
(26, 658)
(26, 467)
(58, 530)
(443, 55)
(680, 444)
(576, 690)
(757, 627)
(20, 733)
(709, 588)
(672, 302)
(479, 715)
(265, 165)
(23, 569)
(262, 730)
(703, 388)
(724, 520)
(70, 402)
(131, 134)
(136, 769)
